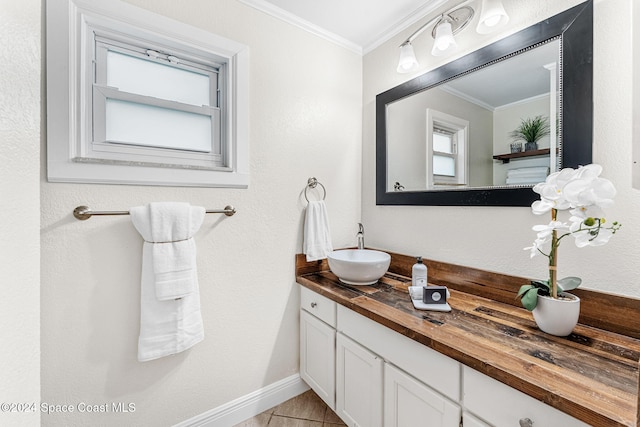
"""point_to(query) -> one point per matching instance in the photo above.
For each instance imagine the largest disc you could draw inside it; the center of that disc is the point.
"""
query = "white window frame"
(71, 155)
(459, 129)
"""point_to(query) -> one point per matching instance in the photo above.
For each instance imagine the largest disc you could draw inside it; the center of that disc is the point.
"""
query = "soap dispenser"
(419, 273)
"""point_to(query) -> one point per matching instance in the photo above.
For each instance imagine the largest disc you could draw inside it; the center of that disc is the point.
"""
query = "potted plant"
(584, 194)
(531, 131)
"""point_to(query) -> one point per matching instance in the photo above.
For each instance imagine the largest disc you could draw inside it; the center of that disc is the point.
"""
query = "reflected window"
(447, 147)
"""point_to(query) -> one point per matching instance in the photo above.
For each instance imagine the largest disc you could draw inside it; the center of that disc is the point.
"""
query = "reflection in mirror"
(445, 137)
(450, 135)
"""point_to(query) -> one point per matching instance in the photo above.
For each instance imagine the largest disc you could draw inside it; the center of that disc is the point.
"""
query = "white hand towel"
(169, 228)
(170, 318)
(317, 237)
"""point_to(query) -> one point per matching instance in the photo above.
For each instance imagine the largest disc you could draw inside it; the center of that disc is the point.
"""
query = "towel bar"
(84, 212)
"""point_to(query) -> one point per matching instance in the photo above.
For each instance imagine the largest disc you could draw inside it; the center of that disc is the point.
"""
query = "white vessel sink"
(359, 266)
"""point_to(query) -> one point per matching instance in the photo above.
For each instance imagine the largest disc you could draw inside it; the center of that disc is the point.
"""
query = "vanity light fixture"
(492, 16)
(448, 24)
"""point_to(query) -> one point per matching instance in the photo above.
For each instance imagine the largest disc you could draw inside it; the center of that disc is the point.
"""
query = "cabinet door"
(410, 403)
(469, 420)
(317, 357)
(359, 384)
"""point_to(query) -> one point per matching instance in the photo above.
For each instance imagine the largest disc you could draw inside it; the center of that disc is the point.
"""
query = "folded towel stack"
(317, 237)
(170, 319)
(527, 175)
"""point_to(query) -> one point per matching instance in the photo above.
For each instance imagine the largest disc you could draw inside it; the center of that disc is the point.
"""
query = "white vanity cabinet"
(389, 380)
(372, 376)
(358, 384)
(318, 344)
(500, 405)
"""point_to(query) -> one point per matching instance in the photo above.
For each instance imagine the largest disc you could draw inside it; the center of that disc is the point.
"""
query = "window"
(447, 145)
(444, 153)
(141, 107)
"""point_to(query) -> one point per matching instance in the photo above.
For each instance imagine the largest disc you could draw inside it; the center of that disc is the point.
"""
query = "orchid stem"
(553, 258)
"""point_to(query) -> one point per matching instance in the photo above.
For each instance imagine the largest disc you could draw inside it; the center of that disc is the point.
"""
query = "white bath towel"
(170, 319)
(317, 236)
(169, 228)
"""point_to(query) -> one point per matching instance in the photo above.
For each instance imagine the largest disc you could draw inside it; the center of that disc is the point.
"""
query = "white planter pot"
(557, 316)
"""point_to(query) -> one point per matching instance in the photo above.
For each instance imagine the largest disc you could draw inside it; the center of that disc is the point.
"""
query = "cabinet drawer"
(432, 368)
(321, 307)
(501, 405)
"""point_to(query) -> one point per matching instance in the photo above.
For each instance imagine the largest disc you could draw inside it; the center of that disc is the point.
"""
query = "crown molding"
(403, 24)
(393, 29)
(292, 19)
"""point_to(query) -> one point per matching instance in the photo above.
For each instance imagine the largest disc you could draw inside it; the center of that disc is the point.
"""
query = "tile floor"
(306, 410)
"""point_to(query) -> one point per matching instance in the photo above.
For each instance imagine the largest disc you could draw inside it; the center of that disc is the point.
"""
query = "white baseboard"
(248, 406)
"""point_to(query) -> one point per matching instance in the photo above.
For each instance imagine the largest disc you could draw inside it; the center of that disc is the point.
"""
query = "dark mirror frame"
(575, 29)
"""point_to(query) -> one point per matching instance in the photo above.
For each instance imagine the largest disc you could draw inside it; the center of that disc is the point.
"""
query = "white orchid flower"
(588, 172)
(593, 237)
(589, 192)
(544, 235)
(585, 212)
(542, 206)
(552, 192)
(536, 247)
(582, 213)
(545, 231)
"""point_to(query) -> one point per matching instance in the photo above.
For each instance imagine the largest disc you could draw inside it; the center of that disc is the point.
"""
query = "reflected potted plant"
(584, 194)
(531, 131)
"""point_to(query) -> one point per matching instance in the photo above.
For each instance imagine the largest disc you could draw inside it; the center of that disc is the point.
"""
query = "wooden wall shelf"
(505, 158)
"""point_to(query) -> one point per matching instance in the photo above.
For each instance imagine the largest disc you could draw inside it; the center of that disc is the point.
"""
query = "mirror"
(473, 116)
(444, 138)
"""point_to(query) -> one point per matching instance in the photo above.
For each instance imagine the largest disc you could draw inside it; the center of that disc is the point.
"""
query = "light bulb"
(492, 21)
(442, 44)
(445, 43)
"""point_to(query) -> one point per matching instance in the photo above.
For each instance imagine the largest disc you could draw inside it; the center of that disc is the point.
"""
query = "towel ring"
(313, 183)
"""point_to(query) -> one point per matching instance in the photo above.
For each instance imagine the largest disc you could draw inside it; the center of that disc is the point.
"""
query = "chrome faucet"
(360, 236)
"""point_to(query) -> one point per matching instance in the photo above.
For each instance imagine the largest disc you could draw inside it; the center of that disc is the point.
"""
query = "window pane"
(442, 142)
(142, 77)
(444, 166)
(138, 124)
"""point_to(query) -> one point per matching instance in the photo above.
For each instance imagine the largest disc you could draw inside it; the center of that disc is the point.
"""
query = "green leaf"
(541, 284)
(569, 283)
(525, 288)
(530, 299)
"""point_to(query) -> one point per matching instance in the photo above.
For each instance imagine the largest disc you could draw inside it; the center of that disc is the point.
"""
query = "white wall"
(493, 237)
(305, 120)
(20, 59)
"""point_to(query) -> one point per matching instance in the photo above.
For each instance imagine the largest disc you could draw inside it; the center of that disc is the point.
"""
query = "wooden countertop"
(591, 374)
